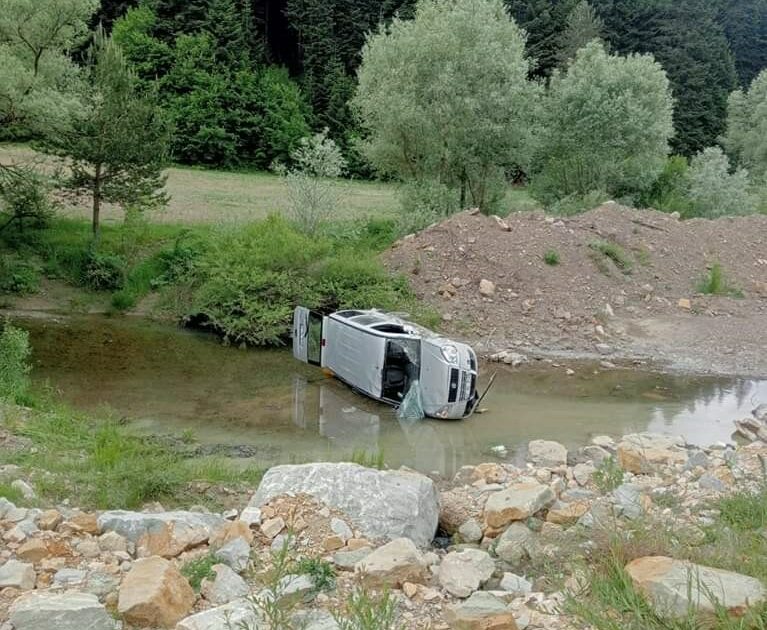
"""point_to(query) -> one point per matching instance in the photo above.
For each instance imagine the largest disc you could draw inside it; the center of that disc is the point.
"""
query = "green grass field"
(200, 196)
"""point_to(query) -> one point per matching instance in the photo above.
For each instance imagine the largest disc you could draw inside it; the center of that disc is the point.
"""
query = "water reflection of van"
(381, 356)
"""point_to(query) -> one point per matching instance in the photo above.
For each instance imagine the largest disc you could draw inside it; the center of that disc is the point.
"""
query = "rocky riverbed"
(324, 546)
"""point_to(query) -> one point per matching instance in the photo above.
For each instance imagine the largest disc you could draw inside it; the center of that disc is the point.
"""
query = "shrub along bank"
(240, 282)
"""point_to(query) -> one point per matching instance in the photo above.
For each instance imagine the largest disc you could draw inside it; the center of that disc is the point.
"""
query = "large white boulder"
(240, 613)
(382, 504)
(165, 534)
(59, 611)
(674, 587)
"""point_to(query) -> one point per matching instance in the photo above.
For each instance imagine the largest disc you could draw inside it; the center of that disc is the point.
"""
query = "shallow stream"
(263, 404)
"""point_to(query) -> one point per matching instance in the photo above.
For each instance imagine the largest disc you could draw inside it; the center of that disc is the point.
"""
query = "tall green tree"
(445, 96)
(583, 26)
(745, 25)
(545, 22)
(36, 73)
(746, 137)
(116, 142)
(607, 122)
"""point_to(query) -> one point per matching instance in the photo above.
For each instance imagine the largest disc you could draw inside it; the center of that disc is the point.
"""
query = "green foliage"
(18, 275)
(583, 26)
(36, 75)
(312, 193)
(14, 495)
(713, 191)
(247, 282)
(375, 459)
(367, 611)
(14, 362)
(746, 137)
(715, 283)
(608, 475)
(551, 257)
(148, 56)
(467, 57)
(321, 572)
(744, 511)
(669, 192)
(116, 141)
(614, 252)
(103, 272)
(576, 203)
(24, 198)
(745, 24)
(607, 123)
(199, 569)
(423, 202)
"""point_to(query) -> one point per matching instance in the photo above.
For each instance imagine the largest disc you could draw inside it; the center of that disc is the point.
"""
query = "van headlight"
(450, 352)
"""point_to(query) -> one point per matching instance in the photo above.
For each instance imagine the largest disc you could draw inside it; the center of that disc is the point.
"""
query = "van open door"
(307, 335)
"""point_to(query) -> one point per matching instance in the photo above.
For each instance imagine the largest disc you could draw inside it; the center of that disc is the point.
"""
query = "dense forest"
(708, 48)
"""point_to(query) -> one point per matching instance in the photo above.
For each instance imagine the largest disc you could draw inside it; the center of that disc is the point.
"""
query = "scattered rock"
(49, 520)
(470, 531)
(515, 543)
(382, 504)
(642, 453)
(165, 534)
(236, 614)
(463, 572)
(566, 513)
(347, 560)
(27, 491)
(486, 288)
(154, 593)
(515, 584)
(518, 502)
(685, 304)
(225, 587)
(675, 586)
(482, 611)
(546, 453)
(235, 554)
(60, 611)
(32, 551)
(19, 575)
(273, 526)
(341, 529)
(630, 500)
(393, 564)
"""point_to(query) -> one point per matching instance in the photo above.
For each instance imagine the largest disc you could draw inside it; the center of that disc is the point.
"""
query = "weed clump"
(199, 569)
(613, 252)
(608, 475)
(14, 363)
(715, 283)
(551, 257)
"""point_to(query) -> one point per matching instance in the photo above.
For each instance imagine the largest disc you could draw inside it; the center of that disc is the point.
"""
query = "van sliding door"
(307, 335)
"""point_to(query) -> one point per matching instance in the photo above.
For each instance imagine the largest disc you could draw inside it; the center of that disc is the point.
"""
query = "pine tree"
(583, 26)
(745, 24)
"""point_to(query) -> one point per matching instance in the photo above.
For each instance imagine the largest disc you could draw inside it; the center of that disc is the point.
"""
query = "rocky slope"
(516, 547)
(625, 284)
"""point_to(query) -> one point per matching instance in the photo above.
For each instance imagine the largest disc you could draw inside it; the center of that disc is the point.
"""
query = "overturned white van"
(382, 356)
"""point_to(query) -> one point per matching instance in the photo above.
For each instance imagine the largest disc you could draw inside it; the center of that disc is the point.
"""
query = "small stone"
(235, 554)
(357, 543)
(112, 541)
(88, 549)
(225, 586)
(154, 593)
(546, 453)
(272, 527)
(33, 551)
(19, 575)
(566, 513)
(346, 560)
(410, 590)
(642, 453)
(515, 584)
(341, 529)
(583, 473)
(463, 572)
(518, 502)
(69, 577)
(515, 543)
(251, 516)
(393, 564)
(49, 520)
(331, 543)
(84, 522)
(486, 288)
(470, 531)
(685, 304)
(482, 611)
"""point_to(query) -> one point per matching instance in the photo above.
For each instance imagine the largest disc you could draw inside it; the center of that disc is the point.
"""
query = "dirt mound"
(622, 275)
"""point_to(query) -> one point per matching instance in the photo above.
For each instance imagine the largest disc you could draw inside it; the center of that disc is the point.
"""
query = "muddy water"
(265, 405)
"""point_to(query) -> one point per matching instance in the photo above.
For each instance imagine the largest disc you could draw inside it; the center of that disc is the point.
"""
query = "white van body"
(381, 355)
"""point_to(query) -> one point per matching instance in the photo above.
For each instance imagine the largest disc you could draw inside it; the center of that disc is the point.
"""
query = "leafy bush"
(607, 121)
(321, 572)
(577, 203)
(18, 275)
(312, 193)
(551, 257)
(24, 197)
(14, 362)
(716, 283)
(424, 202)
(746, 137)
(714, 191)
(608, 475)
(368, 611)
(103, 272)
(669, 192)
